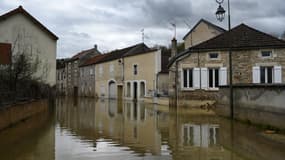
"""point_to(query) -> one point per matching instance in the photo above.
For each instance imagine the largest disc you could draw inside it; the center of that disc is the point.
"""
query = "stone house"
(203, 30)
(30, 37)
(257, 58)
(72, 69)
(87, 77)
(61, 82)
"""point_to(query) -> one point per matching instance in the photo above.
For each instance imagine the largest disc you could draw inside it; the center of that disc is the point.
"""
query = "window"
(91, 71)
(213, 55)
(111, 68)
(187, 78)
(135, 69)
(213, 77)
(266, 54)
(100, 70)
(266, 74)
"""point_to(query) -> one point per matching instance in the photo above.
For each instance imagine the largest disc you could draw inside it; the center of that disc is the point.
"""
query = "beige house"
(28, 36)
(131, 73)
(201, 32)
(258, 58)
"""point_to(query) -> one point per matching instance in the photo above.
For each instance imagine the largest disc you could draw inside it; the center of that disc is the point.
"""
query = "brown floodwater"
(85, 129)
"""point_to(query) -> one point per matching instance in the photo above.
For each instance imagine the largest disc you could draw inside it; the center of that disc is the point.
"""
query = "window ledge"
(188, 89)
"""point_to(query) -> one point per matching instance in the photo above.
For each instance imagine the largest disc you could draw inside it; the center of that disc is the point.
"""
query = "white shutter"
(182, 78)
(204, 78)
(223, 76)
(256, 74)
(196, 78)
(277, 74)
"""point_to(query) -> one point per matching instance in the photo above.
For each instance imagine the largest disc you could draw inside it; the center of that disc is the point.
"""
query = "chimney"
(173, 47)
(95, 47)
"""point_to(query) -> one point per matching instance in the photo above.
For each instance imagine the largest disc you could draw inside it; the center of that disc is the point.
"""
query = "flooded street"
(84, 129)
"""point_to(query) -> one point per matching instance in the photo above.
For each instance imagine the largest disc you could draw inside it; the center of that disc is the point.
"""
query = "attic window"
(266, 54)
(213, 55)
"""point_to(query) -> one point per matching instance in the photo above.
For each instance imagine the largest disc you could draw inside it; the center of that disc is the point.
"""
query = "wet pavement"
(86, 129)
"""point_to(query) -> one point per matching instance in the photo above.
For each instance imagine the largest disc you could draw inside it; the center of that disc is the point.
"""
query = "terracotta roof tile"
(125, 52)
(5, 53)
(78, 55)
(93, 60)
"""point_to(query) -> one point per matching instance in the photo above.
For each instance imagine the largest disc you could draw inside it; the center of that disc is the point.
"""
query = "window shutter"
(256, 74)
(277, 74)
(196, 78)
(204, 78)
(223, 76)
(182, 78)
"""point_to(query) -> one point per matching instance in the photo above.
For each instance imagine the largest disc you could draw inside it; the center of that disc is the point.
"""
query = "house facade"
(141, 74)
(29, 37)
(257, 58)
(87, 77)
(72, 69)
(117, 73)
(202, 31)
(130, 73)
(61, 78)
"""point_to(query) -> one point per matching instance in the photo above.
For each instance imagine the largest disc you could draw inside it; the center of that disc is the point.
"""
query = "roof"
(208, 23)
(125, 52)
(242, 37)
(5, 53)
(21, 10)
(84, 52)
(93, 60)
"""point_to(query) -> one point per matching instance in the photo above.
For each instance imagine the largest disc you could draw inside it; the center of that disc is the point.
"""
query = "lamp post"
(220, 14)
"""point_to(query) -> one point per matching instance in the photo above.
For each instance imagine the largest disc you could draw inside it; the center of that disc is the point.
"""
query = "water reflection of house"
(130, 125)
(204, 135)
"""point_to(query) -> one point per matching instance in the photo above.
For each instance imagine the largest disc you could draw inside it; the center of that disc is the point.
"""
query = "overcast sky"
(113, 24)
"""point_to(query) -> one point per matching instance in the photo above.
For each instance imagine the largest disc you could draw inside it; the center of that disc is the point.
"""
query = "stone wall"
(18, 112)
(260, 104)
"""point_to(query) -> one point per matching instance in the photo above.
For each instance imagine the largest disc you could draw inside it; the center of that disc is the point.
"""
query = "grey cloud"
(115, 24)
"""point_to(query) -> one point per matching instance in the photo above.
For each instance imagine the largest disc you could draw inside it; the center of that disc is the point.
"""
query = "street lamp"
(220, 14)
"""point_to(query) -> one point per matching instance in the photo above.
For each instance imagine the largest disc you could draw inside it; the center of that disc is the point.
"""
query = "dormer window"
(213, 55)
(266, 54)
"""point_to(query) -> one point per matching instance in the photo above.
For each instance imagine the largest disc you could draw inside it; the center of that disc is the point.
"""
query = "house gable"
(21, 10)
(201, 32)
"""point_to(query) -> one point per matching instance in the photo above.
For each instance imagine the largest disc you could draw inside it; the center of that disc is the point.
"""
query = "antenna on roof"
(187, 24)
(174, 26)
